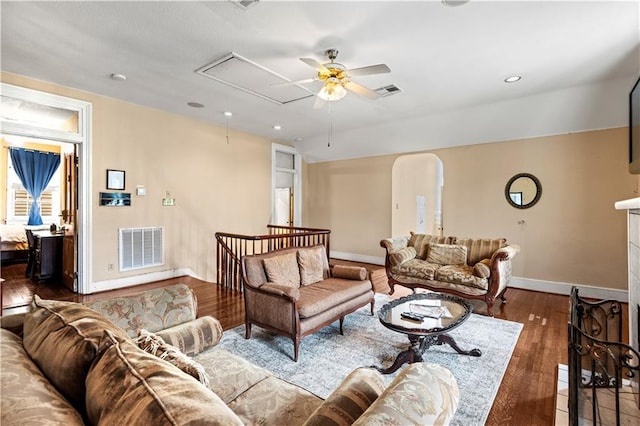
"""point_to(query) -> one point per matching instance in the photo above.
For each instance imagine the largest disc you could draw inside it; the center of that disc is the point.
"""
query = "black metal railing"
(600, 365)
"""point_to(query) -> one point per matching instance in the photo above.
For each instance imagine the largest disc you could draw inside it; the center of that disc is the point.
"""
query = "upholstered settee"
(293, 292)
(67, 363)
(473, 268)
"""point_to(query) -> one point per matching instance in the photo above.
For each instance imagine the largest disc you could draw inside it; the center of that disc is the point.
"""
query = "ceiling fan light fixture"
(332, 91)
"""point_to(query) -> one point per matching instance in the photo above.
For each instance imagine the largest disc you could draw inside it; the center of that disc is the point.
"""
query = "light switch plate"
(168, 201)
(141, 191)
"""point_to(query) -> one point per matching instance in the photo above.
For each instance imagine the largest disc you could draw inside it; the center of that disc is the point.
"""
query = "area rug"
(326, 357)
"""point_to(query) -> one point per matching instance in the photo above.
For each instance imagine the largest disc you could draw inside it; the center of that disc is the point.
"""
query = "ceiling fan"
(338, 79)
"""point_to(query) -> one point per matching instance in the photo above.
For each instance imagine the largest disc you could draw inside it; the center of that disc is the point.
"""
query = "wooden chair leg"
(373, 304)
(341, 323)
(247, 330)
(296, 348)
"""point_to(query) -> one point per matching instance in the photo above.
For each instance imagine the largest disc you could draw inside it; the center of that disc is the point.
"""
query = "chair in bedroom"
(31, 260)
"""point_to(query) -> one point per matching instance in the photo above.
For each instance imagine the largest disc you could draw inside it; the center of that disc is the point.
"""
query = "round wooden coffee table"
(442, 313)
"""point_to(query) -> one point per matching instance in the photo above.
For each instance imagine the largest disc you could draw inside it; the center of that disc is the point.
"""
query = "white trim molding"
(99, 286)
(553, 287)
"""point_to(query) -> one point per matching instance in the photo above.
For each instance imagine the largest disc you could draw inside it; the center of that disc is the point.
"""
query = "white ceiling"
(578, 61)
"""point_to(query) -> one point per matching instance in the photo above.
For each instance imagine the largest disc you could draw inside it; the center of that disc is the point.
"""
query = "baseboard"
(555, 287)
(106, 285)
(374, 260)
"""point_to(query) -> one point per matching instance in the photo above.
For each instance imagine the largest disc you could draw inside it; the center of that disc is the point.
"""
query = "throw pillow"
(447, 254)
(482, 269)
(481, 248)
(126, 386)
(346, 404)
(62, 338)
(194, 336)
(403, 255)
(310, 261)
(156, 345)
(283, 269)
(349, 272)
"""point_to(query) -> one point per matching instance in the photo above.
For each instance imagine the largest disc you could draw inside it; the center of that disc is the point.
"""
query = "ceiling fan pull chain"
(330, 126)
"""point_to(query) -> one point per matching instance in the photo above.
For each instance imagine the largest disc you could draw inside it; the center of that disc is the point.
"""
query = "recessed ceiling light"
(454, 3)
(277, 127)
(195, 104)
(118, 77)
(512, 79)
(228, 113)
(297, 140)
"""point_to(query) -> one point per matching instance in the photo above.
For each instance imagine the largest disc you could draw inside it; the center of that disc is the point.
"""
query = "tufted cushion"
(347, 272)
(194, 336)
(310, 262)
(126, 386)
(482, 269)
(283, 269)
(447, 254)
(399, 257)
(62, 338)
(345, 404)
(481, 248)
(27, 396)
(155, 345)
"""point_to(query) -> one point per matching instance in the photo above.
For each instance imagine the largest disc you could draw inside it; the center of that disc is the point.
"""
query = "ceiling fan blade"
(289, 83)
(372, 69)
(359, 89)
(315, 64)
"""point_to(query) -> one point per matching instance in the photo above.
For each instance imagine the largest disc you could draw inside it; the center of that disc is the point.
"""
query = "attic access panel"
(243, 74)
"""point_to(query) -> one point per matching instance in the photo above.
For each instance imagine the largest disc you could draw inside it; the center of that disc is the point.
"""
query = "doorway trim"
(82, 138)
(297, 181)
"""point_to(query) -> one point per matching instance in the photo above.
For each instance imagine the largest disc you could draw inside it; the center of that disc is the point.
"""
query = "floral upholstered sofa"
(148, 360)
(473, 268)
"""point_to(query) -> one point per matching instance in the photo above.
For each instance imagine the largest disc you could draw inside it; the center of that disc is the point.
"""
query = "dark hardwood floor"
(526, 395)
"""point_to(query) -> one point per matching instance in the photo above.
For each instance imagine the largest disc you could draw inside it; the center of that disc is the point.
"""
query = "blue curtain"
(35, 169)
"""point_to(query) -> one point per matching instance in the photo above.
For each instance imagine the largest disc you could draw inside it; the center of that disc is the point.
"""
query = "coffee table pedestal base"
(419, 344)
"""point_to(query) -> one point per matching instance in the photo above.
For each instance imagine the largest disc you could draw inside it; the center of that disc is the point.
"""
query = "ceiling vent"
(244, 4)
(243, 74)
(389, 90)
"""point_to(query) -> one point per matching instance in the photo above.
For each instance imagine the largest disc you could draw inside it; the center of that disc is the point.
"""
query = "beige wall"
(573, 235)
(217, 186)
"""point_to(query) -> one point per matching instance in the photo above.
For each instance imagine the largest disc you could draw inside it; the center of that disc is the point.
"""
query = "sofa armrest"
(348, 272)
(13, 323)
(194, 336)
(505, 253)
(421, 394)
(394, 244)
(350, 399)
(281, 290)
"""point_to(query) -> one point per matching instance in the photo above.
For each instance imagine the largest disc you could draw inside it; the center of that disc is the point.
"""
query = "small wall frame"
(115, 179)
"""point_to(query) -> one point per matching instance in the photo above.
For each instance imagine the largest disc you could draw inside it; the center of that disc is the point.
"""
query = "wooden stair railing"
(232, 247)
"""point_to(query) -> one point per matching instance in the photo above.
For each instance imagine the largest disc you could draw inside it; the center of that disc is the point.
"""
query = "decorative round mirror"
(523, 190)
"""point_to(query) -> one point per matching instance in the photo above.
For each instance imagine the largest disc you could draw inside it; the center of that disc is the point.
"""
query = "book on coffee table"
(430, 311)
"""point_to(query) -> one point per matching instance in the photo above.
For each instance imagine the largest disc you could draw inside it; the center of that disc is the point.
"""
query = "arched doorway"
(416, 194)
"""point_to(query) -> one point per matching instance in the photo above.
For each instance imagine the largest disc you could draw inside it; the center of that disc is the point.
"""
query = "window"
(19, 201)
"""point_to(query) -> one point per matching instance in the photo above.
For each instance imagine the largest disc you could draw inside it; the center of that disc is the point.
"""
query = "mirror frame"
(535, 180)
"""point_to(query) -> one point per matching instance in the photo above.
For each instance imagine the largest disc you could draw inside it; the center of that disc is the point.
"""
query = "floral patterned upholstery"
(476, 268)
(421, 394)
(152, 310)
(124, 384)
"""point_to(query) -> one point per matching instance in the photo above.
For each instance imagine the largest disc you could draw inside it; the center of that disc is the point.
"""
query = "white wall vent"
(141, 248)
(389, 90)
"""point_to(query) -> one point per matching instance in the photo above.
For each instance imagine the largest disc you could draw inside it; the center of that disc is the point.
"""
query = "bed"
(13, 244)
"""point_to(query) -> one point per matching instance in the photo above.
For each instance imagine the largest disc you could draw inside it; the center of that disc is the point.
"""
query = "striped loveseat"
(473, 268)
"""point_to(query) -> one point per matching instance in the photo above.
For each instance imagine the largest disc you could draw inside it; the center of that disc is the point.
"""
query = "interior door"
(69, 219)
